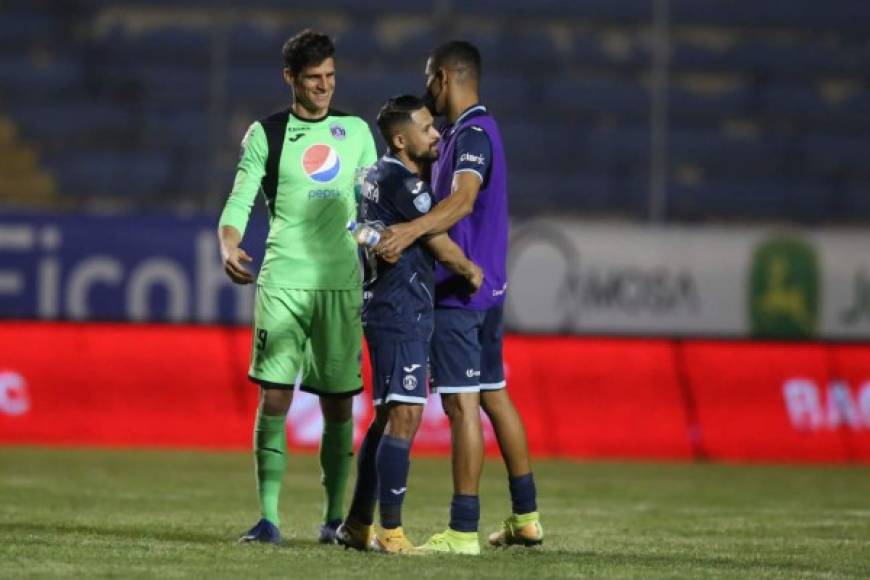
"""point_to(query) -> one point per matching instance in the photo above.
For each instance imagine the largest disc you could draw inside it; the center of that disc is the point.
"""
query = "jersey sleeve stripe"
(468, 170)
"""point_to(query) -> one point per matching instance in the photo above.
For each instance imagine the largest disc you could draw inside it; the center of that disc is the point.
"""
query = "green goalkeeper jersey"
(305, 169)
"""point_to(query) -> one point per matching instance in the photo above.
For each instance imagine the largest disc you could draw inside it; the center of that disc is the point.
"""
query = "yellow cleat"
(522, 530)
(393, 542)
(354, 535)
(452, 542)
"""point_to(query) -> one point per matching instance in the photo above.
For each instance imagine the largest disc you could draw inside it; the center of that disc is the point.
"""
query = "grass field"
(176, 514)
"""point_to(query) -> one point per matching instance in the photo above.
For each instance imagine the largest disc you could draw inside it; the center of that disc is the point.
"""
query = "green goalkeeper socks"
(270, 456)
(336, 453)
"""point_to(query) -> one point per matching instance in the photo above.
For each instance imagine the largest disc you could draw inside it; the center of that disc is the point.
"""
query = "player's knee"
(495, 402)
(462, 406)
(380, 420)
(404, 420)
(275, 401)
(337, 409)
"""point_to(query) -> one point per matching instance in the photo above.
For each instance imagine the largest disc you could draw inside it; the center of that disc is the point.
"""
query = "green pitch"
(172, 514)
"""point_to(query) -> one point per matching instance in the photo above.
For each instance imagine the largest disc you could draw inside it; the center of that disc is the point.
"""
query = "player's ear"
(288, 77)
(398, 141)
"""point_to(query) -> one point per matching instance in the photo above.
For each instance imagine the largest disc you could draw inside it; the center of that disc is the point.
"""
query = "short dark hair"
(458, 53)
(307, 48)
(396, 112)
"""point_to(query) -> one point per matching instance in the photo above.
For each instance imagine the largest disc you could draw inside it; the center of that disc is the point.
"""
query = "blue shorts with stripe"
(399, 371)
(466, 350)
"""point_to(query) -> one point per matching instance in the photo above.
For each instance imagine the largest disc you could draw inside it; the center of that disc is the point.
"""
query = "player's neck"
(461, 103)
(409, 163)
(308, 114)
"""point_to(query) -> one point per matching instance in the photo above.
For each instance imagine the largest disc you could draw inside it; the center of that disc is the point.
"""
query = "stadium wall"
(566, 276)
(582, 397)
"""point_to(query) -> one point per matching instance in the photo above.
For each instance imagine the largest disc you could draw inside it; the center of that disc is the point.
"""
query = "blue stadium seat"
(178, 128)
(596, 10)
(683, 101)
(183, 85)
(125, 111)
(856, 200)
(507, 95)
(178, 45)
(29, 81)
(792, 100)
(489, 41)
(410, 50)
(618, 148)
(367, 91)
(357, 43)
(561, 193)
(21, 27)
(530, 145)
(65, 120)
(531, 47)
(265, 82)
(588, 50)
(111, 173)
(837, 153)
(722, 154)
(596, 96)
(809, 14)
(255, 45)
(756, 199)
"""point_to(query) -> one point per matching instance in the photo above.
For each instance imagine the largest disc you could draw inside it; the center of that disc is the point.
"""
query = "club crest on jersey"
(321, 163)
(423, 202)
(338, 131)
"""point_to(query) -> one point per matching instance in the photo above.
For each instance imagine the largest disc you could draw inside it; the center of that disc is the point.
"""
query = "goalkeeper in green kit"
(307, 330)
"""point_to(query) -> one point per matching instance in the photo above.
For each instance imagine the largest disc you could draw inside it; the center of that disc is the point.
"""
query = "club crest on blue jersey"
(321, 163)
(423, 202)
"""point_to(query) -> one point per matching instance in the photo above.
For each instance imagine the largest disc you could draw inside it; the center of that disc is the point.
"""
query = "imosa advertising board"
(613, 278)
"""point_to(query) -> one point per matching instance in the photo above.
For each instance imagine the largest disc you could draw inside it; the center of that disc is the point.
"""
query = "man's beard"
(426, 157)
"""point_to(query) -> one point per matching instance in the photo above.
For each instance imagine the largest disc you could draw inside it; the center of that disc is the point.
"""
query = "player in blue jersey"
(469, 182)
(398, 321)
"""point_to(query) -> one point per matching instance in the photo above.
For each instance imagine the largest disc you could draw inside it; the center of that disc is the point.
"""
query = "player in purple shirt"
(469, 181)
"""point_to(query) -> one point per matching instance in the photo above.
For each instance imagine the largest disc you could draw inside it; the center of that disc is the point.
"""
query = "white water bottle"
(365, 234)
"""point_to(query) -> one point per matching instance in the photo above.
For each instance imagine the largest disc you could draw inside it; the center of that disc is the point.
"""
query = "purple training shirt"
(483, 234)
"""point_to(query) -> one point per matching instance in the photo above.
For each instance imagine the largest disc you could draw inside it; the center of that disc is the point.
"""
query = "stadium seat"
(596, 96)
(112, 174)
(597, 10)
(507, 95)
(568, 82)
(58, 122)
(21, 77)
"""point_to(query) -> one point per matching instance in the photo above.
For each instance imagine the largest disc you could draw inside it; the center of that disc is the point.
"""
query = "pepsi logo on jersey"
(321, 163)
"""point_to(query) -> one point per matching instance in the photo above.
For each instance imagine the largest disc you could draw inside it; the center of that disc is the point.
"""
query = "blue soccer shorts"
(466, 350)
(399, 371)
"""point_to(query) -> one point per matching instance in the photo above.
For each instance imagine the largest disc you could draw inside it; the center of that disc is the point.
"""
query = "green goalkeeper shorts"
(308, 338)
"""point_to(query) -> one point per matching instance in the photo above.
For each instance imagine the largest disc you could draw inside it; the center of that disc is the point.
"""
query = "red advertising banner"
(597, 397)
(132, 385)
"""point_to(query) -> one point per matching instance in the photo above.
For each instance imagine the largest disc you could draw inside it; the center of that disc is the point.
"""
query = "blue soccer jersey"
(397, 298)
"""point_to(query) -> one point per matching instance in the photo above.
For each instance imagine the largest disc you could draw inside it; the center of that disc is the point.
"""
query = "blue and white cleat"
(264, 532)
(327, 532)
